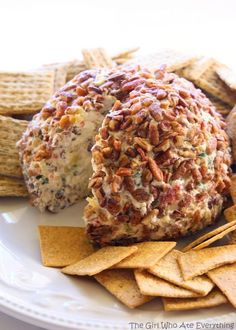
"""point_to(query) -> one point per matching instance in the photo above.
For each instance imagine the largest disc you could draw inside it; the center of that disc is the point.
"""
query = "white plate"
(45, 297)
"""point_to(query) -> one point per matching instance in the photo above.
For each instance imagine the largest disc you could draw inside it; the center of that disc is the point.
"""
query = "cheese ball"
(161, 164)
(55, 150)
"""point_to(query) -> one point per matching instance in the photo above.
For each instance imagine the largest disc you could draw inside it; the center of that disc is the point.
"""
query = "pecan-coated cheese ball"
(161, 164)
(55, 150)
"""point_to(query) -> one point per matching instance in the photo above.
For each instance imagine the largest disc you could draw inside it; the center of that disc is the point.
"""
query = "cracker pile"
(136, 274)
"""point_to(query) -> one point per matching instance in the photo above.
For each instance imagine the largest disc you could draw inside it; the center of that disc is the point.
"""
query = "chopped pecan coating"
(174, 156)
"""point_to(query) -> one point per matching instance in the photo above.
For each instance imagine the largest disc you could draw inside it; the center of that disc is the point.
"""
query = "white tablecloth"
(36, 32)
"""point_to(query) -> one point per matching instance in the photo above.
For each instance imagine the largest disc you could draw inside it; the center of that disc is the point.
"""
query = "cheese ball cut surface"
(55, 150)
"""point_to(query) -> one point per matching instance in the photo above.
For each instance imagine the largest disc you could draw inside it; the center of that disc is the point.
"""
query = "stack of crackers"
(23, 94)
(195, 277)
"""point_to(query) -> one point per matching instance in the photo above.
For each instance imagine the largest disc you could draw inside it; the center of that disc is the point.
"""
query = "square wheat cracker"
(210, 82)
(194, 263)
(12, 187)
(126, 53)
(228, 76)
(11, 131)
(215, 298)
(100, 260)
(221, 107)
(230, 213)
(62, 246)
(97, 58)
(151, 285)
(25, 92)
(147, 255)
(232, 238)
(60, 74)
(225, 278)
(174, 60)
(122, 284)
(168, 269)
(197, 68)
(74, 68)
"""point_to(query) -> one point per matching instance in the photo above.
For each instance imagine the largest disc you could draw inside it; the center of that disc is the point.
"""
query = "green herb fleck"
(42, 179)
(201, 185)
(137, 178)
(203, 154)
(137, 175)
(100, 79)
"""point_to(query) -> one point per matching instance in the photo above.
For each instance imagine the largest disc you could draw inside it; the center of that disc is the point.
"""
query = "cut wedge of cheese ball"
(161, 164)
(55, 149)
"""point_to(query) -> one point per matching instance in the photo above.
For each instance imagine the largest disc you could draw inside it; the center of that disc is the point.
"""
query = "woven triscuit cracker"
(197, 68)
(74, 68)
(25, 92)
(210, 82)
(220, 106)
(97, 58)
(228, 76)
(60, 74)
(11, 131)
(172, 59)
(12, 187)
(129, 53)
